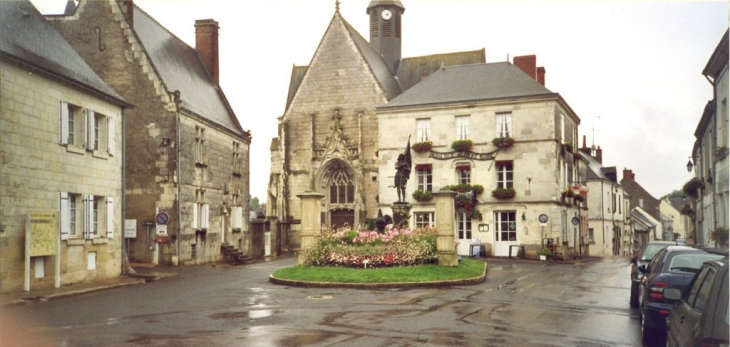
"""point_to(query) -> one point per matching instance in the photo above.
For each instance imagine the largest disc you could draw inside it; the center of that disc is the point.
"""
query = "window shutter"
(195, 215)
(237, 217)
(110, 135)
(90, 130)
(87, 133)
(88, 212)
(110, 217)
(65, 216)
(64, 123)
(204, 216)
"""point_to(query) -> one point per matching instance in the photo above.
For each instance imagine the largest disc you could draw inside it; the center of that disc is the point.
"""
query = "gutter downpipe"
(125, 256)
(714, 162)
(179, 176)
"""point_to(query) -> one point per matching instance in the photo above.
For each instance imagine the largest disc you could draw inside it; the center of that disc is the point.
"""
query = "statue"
(403, 171)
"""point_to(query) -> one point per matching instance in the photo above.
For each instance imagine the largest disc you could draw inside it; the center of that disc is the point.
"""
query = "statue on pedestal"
(403, 172)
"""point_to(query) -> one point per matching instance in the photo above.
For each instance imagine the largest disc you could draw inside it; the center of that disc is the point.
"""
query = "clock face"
(386, 14)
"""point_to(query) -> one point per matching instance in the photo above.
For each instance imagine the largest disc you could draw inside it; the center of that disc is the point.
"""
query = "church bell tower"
(385, 30)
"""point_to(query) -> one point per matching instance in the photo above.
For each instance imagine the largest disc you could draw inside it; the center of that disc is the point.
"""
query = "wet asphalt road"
(522, 303)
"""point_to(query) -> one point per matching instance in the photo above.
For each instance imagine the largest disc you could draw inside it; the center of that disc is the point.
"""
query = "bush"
(350, 248)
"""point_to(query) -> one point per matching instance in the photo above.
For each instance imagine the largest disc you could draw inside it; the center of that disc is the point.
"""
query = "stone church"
(328, 136)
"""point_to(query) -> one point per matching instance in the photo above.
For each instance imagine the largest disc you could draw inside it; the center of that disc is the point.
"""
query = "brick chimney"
(126, 5)
(599, 155)
(629, 175)
(528, 64)
(206, 43)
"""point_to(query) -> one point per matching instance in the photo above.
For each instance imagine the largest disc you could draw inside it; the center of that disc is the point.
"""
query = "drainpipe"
(125, 256)
(714, 162)
(179, 175)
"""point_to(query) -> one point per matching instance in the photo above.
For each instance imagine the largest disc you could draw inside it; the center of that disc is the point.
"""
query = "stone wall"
(35, 168)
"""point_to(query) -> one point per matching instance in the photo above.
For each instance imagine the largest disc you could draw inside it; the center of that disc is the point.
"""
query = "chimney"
(206, 43)
(126, 5)
(541, 75)
(528, 64)
(585, 150)
(628, 175)
(599, 155)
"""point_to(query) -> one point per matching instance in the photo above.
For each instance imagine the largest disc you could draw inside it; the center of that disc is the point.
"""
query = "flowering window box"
(504, 193)
(503, 142)
(424, 146)
(462, 145)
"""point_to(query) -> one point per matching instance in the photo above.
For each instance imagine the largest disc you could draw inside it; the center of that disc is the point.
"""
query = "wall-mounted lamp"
(483, 227)
(689, 165)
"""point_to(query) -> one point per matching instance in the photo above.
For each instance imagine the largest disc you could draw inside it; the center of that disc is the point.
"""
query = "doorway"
(341, 218)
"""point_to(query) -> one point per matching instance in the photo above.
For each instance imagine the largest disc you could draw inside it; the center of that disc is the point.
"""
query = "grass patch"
(468, 268)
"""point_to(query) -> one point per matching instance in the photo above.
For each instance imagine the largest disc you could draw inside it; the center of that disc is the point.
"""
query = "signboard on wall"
(130, 228)
(43, 233)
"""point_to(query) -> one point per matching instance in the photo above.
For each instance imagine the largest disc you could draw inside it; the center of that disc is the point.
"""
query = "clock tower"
(385, 30)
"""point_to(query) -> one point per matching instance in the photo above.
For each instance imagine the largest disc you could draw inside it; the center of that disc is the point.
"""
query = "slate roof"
(413, 70)
(375, 61)
(181, 68)
(27, 38)
(470, 83)
(410, 70)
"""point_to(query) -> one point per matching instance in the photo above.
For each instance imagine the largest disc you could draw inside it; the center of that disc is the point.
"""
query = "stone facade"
(542, 169)
(38, 172)
(187, 155)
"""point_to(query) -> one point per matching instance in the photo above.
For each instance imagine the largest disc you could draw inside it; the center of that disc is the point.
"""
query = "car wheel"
(647, 331)
(634, 296)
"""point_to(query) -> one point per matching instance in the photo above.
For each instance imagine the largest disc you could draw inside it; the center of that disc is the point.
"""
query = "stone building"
(187, 154)
(61, 159)
(608, 233)
(328, 134)
(710, 151)
(644, 211)
(519, 160)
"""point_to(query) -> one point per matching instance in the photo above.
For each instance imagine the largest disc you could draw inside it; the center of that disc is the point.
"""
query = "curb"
(435, 284)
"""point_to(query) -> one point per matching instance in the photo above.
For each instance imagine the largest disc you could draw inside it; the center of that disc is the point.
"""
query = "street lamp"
(689, 165)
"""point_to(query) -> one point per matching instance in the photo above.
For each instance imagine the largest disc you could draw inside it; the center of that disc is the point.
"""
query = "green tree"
(254, 205)
(677, 193)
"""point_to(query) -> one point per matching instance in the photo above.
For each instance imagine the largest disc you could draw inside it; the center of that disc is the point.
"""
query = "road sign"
(162, 218)
(148, 223)
(575, 220)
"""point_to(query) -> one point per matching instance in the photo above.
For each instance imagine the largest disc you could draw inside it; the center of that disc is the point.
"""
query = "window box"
(690, 188)
(568, 147)
(422, 196)
(476, 214)
(721, 153)
(504, 193)
(462, 145)
(465, 187)
(424, 146)
(503, 142)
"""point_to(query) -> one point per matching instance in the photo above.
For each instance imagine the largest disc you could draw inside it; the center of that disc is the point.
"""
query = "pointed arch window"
(342, 188)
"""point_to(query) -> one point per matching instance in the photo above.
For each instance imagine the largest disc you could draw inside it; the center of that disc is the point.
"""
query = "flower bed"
(350, 248)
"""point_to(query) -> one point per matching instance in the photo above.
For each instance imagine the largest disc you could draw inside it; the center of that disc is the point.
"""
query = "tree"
(675, 194)
(254, 205)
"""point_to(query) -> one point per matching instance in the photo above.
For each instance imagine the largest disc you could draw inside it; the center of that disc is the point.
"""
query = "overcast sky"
(631, 70)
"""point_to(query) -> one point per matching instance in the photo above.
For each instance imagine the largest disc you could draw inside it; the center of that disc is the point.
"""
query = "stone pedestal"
(445, 212)
(401, 212)
(311, 219)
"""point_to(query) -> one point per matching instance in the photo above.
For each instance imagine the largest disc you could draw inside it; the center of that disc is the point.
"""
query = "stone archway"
(337, 182)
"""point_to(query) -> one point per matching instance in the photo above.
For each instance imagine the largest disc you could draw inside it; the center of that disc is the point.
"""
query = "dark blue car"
(672, 267)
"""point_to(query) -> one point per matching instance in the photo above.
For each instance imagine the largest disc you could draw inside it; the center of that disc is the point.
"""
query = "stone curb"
(307, 284)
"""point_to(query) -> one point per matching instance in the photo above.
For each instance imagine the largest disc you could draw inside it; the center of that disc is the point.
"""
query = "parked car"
(672, 267)
(701, 317)
(643, 258)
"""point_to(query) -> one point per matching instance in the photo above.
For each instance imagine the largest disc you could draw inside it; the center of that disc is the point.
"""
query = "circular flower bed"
(352, 248)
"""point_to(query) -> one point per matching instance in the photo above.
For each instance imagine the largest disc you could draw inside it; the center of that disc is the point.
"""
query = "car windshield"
(690, 262)
(651, 250)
